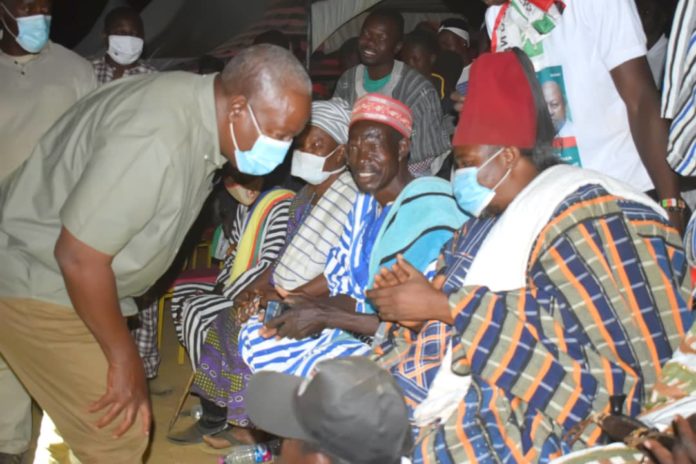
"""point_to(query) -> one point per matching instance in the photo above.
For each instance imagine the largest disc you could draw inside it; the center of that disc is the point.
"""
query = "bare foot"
(249, 436)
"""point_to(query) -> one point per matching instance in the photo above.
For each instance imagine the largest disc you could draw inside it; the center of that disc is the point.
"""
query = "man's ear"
(236, 106)
(511, 156)
(404, 148)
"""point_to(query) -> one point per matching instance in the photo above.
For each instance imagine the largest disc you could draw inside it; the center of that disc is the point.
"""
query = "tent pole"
(309, 33)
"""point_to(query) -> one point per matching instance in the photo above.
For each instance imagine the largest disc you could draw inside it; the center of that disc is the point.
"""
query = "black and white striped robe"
(194, 305)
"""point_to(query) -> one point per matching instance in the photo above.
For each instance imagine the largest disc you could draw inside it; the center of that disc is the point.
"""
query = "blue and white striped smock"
(299, 357)
(422, 218)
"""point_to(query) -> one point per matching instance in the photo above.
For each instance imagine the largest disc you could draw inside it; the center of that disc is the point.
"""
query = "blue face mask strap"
(507, 173)
(253, 120)
(491, 158)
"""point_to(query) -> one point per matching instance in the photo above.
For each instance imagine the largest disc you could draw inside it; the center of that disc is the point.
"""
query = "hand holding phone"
(274, 308)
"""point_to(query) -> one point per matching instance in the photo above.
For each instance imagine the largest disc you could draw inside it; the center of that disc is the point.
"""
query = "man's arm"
(637, 89)
(91, 284)
(316, 287)
(312, 317)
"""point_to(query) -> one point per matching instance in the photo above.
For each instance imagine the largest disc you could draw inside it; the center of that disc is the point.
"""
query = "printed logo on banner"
(553, 87)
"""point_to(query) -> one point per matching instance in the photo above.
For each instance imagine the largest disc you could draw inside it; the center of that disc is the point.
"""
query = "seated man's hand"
(305, 318)
(247, 304)
(391, 277)
(413, 299)
(684, 450)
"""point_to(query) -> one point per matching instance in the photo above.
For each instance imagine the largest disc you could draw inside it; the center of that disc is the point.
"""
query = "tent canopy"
(334, 21)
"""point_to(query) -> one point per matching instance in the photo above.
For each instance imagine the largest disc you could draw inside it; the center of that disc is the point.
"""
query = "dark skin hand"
(91, 285)
(684, 451)
(635, 84)
(413, 299)
(316, 287)
(309, 316)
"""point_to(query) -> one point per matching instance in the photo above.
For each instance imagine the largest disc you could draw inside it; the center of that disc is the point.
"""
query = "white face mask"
(310, 167)
(125, 49)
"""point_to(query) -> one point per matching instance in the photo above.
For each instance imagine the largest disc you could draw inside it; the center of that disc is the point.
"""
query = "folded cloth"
(419, 222)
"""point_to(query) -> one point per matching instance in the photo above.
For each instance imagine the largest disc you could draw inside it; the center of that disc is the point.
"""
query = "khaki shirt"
(126, 171)
(34, 92)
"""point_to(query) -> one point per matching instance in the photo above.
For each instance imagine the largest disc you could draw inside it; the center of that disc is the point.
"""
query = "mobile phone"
(274, 308)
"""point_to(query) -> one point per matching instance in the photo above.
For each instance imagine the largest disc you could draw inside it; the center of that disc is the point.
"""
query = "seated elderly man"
(394, 213)
(96, 215)
(576, 295)
(317, 215)
(348, 411)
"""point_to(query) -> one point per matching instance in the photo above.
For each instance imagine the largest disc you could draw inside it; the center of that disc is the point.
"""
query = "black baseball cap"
(350, 408)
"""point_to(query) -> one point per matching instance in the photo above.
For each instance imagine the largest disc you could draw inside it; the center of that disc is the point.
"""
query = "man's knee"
(103, 447)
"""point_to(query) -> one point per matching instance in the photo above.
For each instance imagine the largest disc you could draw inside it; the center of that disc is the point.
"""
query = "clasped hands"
(403, 295)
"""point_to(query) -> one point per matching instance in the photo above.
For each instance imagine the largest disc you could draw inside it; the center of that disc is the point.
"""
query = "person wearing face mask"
(40, 79)
(256, 235)
(317, 215)
(577, 293)
(124, 34)
(115, 185)
(394, 213)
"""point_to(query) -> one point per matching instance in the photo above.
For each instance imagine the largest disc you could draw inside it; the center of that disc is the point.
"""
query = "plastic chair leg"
(181, 357)
(160, 320)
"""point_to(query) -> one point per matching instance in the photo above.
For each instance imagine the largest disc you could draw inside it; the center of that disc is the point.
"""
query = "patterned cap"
(385, 110)
(332, 116)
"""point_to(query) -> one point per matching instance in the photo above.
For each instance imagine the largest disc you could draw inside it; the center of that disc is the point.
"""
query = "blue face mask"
(471, 196)
(33, 31)
(264, 156)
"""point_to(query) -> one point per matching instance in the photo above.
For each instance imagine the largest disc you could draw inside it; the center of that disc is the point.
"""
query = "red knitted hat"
(499, 106)
(387, 110)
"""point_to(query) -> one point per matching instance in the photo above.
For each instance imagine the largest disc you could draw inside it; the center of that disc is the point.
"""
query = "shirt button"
(206, 157)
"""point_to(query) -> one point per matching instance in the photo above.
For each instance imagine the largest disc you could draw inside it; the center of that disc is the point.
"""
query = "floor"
(177, 376)
(161, 451)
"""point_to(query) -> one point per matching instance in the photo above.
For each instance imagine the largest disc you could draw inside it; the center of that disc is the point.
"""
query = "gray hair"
(264, 68)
